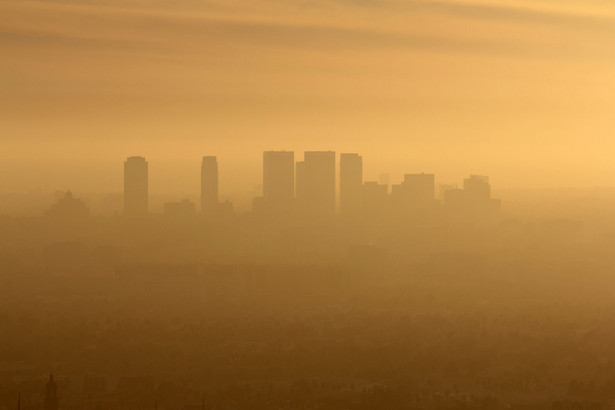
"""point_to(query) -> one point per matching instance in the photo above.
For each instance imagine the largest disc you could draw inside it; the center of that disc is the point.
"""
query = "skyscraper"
(477, 188)
(351, 180)
(421, 188)
(316, 184)
(415, 194)
(135, 186)
(385, 179)
(278, 181)
(209, 185)
(374, 198)
(416, 191)
(478, 202)
(68, 207)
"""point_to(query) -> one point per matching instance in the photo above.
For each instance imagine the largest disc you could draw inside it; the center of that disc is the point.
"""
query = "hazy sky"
(523, 91)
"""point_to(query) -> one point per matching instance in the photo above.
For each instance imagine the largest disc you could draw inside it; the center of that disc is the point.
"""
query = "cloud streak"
(146, 30)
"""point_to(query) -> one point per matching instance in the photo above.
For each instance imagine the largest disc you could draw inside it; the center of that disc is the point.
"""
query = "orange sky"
(523, 90)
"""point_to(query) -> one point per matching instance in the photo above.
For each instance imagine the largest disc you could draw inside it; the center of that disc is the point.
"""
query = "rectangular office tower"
(278, 181)
(316, 184)
(417, 191)
(351, 181)
(477, 188)
(135, 186)
(209, 185)
(421, 188)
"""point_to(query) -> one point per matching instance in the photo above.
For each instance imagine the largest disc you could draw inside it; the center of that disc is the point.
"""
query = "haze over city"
(307, 204)
(520, 90)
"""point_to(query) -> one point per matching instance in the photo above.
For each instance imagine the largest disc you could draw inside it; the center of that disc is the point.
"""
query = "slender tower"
(351, 182)
(316, 184)
(135, 186)
(278, 181)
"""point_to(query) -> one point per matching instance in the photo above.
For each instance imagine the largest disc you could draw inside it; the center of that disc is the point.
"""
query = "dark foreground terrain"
(181, 317)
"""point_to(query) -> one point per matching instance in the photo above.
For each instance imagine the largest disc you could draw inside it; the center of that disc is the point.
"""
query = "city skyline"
(209, 168)
(518, 90)
(314, 189)
(311, 187)
(318, 187)
(307, 204)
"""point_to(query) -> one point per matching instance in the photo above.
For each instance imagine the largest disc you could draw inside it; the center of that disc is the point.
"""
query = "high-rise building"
(209, 185)
(385, 179)
(454, 201)
(278, 181)
(473, 203)
(477, 188)
(444, 188)
(421, 188)
(351, 181)
(416, 191)
(316, 184)
(68, 207)
(374, 199)
(477, 191)
(135, 186)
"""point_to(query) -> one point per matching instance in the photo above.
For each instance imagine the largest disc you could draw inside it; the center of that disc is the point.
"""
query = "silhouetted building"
(385, 179)
(454, 200)
(479, 204)
(209, 185)
(51, 394)
(351, 180)
(278, 181)
(477, 188)
(135, 186)
(474, 202)
(182, 209)
(316, 184)
(417, 191)
(68, 207)
(420, 187)
(374, 199)
(444, 188)
(226, 209)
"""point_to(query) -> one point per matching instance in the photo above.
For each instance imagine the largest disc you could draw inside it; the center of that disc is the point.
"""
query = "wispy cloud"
(134, 27)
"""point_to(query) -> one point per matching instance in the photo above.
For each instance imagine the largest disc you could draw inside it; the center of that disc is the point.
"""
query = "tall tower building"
(477, 188)
(416, 192)
(135, 186)
(474, 201)
(278, 181)
(421, 188)
(316, 184)
(351, 181)
(209, 185)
